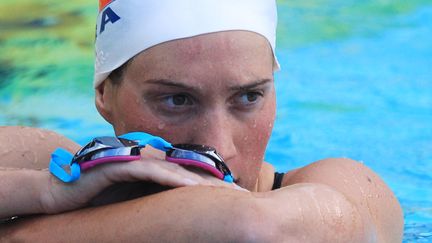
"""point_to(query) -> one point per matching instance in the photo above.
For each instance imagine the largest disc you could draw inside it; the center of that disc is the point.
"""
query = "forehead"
(223, 53)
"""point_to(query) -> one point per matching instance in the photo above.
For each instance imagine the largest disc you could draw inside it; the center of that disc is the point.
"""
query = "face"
(215, 89)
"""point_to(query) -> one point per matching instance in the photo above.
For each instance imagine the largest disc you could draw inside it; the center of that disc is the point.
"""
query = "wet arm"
(180, 215)
(30, 148)
(24, 152)
(20, 191)
(25, 191)
(298, 213)
(282, 215)
(361, 188)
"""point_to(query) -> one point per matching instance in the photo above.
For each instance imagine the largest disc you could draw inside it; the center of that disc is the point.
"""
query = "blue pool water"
(368, 98)
(356, 82)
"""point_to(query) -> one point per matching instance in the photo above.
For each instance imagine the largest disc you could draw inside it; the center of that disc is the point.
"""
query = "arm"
(26, 191)
(178, 215)
(20, 192)
(296, 213)
(364, 190)
(300, 212)
(30, 148)
(206, 214)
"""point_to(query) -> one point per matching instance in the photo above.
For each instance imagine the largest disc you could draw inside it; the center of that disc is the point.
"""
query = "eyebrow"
(251, 85)
(171, 83)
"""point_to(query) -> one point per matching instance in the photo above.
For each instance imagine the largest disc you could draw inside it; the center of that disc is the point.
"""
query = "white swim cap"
(127, 27)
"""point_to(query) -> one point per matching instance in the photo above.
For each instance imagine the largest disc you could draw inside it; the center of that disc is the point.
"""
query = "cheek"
(256, 136)
(261, 126)
(252, 143)
(131, 114)
(134, 115)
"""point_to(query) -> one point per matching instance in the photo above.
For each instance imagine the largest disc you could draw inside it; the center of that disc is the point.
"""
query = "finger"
(164, 173)
(199, 176)
(158, 171)
(179, 171)
(218, 182)
(197, 173)
(204, 177)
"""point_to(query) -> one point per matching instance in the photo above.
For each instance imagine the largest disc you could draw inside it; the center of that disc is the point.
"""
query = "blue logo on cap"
(108, 16)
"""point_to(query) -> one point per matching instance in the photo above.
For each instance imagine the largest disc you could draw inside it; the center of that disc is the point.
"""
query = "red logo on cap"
(103, 4)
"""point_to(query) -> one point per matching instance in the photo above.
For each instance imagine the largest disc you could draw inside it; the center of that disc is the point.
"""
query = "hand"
(60, 197)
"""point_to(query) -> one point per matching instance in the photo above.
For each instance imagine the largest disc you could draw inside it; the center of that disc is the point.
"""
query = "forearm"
(299, 213)
(30, 148)
(20, 191)
(179, 215)
(308, 212)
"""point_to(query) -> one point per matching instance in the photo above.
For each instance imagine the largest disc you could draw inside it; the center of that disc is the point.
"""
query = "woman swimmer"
(201, 81)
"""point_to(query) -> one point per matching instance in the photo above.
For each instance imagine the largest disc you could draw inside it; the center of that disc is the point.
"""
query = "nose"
(217, 130)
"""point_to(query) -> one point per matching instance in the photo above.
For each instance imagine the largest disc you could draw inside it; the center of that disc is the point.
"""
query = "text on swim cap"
(108, 16)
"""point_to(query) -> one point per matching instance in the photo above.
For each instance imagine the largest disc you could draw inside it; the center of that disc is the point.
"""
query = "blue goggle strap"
(228, 178)
(144, 138)
(60, 159)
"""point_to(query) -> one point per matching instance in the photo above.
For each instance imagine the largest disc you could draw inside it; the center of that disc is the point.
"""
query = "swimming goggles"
(124, 148)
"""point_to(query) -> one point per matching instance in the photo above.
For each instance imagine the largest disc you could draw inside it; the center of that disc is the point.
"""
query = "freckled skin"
(211, 64)
(332, 200)
(20, 147)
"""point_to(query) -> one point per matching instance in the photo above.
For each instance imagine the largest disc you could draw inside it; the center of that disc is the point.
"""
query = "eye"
(177, 100)
(248, 98)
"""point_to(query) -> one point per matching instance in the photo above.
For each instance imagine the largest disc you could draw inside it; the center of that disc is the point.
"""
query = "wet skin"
(214, 89)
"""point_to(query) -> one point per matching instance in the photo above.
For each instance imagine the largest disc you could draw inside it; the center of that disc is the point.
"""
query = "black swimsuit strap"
(277, 183)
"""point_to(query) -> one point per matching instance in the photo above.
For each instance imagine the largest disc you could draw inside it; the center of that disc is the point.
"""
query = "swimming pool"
(355, 82)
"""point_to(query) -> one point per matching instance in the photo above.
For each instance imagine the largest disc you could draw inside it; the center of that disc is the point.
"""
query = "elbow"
(306, 214)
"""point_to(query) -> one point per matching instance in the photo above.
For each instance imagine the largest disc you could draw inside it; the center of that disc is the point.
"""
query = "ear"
(104, 99)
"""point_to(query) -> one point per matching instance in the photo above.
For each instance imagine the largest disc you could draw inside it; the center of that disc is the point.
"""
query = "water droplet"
(161, 126)
(5, 152)
(41, 135)
(30, 156)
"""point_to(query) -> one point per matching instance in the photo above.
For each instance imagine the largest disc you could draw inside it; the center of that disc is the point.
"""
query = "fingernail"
(190, 182)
